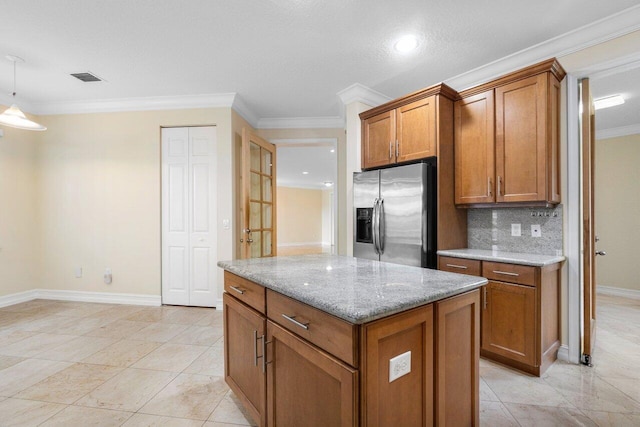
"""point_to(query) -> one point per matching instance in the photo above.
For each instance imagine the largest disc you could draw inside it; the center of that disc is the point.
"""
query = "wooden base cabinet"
(289, 369)
(520, 311)
(244, 331)
(306, 386)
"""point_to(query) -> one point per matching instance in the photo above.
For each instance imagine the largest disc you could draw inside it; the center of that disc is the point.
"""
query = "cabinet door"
(457, 360)
(474, 149)
(243, 365)
(306, 386)
(521, 137)
(416, 130)
(509, 321)
(379, 136)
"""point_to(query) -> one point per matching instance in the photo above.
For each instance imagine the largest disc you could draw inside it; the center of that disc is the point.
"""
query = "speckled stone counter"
(356, 290)
(535, 260)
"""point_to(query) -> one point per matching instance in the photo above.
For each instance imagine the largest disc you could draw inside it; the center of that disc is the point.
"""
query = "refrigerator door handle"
(381, 230)
(374, 226)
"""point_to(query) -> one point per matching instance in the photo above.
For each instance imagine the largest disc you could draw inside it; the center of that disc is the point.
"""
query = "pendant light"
(13, 116)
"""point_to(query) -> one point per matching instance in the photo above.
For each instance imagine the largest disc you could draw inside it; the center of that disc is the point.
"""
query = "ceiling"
(283, 58)
(625, 83)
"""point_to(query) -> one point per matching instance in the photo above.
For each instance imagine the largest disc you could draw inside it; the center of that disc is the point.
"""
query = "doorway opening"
(307, 195)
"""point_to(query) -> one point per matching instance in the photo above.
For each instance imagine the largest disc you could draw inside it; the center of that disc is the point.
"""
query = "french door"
(189, 216)
(258, 200)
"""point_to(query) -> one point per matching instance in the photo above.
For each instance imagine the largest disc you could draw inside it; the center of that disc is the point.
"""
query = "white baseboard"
(563, 353)
(618, 292)
(292, 245)
(80, 296)
(12, 299)
(219, 305)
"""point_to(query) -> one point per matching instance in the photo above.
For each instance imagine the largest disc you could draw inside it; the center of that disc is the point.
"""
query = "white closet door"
(188, 216)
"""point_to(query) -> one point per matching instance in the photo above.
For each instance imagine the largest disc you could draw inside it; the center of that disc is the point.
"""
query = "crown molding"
(611, 68)
(597, 32)
(301, 123)
(360, 93)
(618, 132)
(241, 108)
(136, 104)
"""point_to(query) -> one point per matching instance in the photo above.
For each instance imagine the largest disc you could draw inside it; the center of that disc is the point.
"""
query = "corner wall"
(98, 190)
(617, 210)
(19, 230)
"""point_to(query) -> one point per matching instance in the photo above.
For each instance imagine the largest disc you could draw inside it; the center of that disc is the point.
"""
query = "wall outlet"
(78, 272)
(516, 230)
(399, 366)
(536, 230)
(108, 276)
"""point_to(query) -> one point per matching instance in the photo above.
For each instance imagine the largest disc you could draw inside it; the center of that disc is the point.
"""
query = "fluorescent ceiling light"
(609, 101)
(406, 44)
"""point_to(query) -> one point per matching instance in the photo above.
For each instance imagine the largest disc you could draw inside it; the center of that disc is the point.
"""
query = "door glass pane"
(266, 216)
(266, 251)
(266, 182)
(254, 216)
(266, 162)
(256, 246)
(255, 186)
(255, 157)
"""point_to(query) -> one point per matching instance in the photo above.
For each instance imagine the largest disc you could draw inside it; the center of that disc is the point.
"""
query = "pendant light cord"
(14, 79)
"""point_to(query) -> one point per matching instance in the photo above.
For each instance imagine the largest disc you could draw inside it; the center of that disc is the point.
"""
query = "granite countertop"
(354, 289)
(535, 260)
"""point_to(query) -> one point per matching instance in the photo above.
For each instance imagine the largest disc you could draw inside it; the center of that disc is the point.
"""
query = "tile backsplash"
(491, 229)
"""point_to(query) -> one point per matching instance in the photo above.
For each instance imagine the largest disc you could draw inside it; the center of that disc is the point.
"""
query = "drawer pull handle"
(464, 267)
(255, 348)
(506, 273)
(238, 290)
(292, 319)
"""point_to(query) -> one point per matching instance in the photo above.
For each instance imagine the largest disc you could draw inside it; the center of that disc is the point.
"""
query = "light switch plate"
(399, 366)
(536, 230)
(516, 230)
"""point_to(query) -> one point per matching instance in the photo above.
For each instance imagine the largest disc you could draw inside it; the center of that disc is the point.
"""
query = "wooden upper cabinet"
(521, 160)
(416, 130)
(407, 129)
(378, 140)
(524, 109)
(474, 149)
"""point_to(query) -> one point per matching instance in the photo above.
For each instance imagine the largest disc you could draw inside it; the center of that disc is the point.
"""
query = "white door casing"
(189, 216)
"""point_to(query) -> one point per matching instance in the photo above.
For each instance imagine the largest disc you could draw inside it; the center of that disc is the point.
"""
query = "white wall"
(99, 192)
(299, 216)
(617, 210)
(327, 217)
(19, 228)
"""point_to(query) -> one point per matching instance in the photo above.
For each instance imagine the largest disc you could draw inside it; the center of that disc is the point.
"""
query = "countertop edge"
(509, 258)
(256, 278)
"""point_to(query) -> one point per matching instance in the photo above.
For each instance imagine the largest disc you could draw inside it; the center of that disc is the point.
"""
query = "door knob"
(601, 253)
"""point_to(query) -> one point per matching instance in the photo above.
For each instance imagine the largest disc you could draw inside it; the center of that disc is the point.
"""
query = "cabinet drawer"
(513, 273)
(246, 291)
(459, 265)
(331, 334)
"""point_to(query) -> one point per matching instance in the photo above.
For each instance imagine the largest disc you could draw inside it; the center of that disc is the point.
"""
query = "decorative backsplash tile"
(491, 229)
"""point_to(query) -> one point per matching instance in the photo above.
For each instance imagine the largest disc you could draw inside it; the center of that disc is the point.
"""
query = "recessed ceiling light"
(406, 44)
(609, 101)
(328, 183)
(332, 150)
(305, 173)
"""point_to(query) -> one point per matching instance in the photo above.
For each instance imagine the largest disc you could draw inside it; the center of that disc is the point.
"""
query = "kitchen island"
(321, 340)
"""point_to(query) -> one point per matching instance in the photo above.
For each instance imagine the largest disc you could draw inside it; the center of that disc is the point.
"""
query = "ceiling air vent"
(86, 77)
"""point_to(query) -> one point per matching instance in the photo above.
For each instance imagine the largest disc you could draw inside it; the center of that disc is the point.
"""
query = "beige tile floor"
(78, 364)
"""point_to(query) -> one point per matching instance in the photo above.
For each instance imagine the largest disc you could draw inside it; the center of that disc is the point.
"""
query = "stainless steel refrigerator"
(395, 215)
